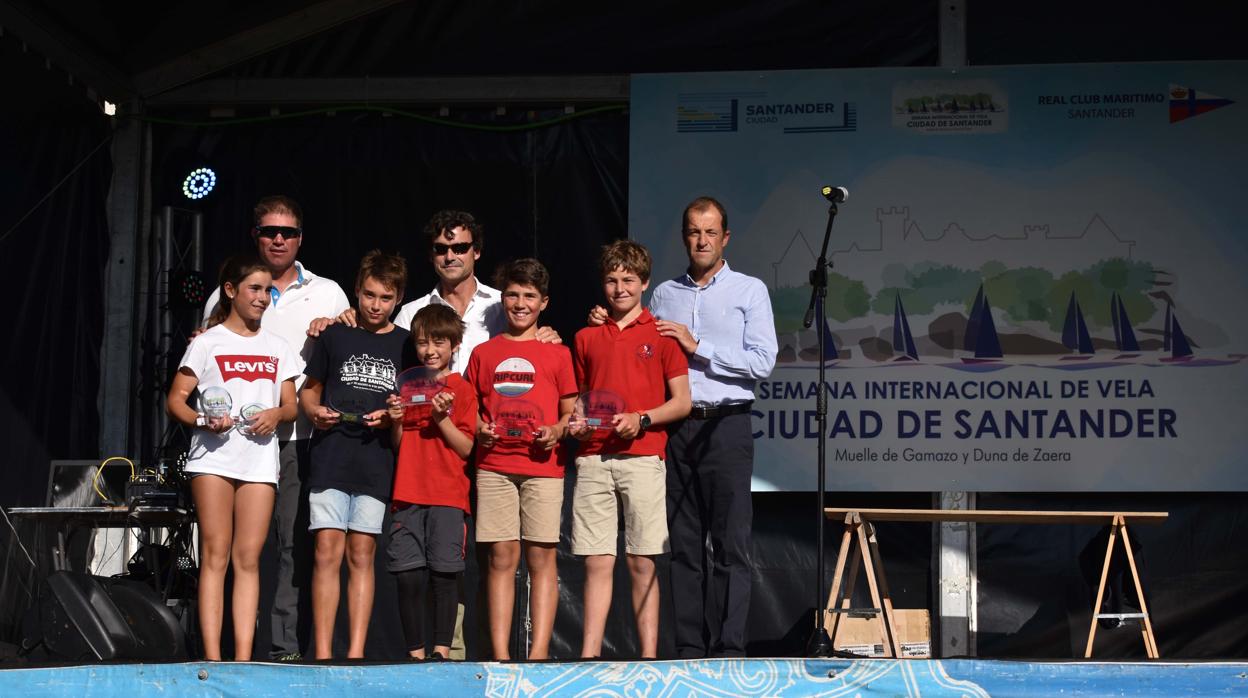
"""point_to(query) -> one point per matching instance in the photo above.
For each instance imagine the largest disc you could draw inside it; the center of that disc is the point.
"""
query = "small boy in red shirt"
(527, 391)
(625, 363)
(428, 532)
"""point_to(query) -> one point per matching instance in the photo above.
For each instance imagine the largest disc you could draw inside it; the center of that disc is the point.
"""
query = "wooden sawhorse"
(866, 554)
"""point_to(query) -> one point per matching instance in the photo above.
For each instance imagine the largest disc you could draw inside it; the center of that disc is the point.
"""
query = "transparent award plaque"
(417, 386)
(597, 409)
(517, 421)
(248, 414)
(352, 407)
(215, 403)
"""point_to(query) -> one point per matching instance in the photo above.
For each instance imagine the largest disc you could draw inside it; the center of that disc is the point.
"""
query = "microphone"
(836, 195)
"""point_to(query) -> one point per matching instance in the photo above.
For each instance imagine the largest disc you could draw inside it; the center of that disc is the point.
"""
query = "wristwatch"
(645, 420)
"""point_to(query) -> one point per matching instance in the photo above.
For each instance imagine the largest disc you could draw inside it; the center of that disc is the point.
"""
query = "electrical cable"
(95, 481)
(17, 539)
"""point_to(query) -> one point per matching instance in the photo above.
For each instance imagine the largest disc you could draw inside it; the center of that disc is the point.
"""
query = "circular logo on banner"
(645, 351)
(513, 377)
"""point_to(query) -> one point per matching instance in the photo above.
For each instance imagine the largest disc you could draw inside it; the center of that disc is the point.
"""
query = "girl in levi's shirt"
(234, 458)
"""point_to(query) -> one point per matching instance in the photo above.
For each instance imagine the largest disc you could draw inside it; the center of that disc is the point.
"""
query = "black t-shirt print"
(357, 368)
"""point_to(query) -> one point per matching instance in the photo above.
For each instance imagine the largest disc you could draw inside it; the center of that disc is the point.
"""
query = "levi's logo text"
(514, 376)
(247, 367)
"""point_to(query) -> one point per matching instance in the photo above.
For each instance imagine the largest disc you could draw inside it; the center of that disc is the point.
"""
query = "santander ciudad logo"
(247, 367)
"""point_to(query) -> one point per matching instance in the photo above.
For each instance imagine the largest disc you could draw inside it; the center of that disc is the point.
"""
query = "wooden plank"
(1001, 516)
(847, 598)
(837, 576)
(1100, 589)
(1150, 640)
(887, 596)
(887, 633)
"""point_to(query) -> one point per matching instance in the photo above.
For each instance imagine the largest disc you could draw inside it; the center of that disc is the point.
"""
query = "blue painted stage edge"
(711, 677)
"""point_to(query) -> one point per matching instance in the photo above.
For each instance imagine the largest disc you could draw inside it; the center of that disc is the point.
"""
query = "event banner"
(1038, 281)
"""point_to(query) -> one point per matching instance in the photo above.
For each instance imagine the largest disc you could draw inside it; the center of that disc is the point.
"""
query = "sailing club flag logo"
(1186, 102)
(514, 376)
(247, 367)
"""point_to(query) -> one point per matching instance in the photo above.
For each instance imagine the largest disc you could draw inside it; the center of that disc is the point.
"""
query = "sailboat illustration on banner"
(1174, 340)
(903, 341)
(1075, 333)
(1124, 336)
(981, 333)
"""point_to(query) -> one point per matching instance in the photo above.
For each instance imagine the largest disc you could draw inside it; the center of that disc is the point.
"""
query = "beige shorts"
(511, 507)
(639, 483)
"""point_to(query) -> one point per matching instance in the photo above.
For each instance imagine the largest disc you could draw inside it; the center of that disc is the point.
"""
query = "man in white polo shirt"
(298, 297)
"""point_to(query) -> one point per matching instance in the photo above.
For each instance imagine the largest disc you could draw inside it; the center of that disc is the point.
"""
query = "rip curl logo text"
(247, 367)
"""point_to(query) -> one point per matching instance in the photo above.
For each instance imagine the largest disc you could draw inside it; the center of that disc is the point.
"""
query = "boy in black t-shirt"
(349, 374)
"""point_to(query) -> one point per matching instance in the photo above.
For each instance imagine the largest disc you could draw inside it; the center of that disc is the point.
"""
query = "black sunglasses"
(272, 231)
(440, 248)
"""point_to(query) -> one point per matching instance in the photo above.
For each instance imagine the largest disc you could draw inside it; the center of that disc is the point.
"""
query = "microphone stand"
(820, 644)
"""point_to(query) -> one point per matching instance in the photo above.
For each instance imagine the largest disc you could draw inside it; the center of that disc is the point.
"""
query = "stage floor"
(715, 678)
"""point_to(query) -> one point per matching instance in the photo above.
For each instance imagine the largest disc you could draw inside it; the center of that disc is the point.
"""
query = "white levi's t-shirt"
(252, 370)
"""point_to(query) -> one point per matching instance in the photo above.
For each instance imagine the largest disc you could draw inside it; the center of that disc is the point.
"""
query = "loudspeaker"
(83, 617)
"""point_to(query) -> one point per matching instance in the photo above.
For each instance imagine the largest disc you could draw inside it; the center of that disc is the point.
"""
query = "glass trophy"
(352, 407)
(215, 403)
(246, 415)
(597, 409)
(517, 421)
(417, 386)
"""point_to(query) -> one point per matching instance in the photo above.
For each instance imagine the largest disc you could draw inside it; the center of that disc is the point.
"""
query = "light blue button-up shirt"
(731, 319)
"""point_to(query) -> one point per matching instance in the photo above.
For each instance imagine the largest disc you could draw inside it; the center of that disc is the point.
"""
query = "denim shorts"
(330, 508)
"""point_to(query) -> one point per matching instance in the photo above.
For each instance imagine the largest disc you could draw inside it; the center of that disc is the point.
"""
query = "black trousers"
(709, 464)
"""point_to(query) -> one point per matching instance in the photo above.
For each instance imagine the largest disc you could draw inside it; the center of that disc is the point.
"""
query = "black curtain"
(368, 180)
(53, 255)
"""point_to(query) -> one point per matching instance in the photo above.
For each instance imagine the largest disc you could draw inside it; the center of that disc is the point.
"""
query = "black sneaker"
(436, 657)
(289, 657)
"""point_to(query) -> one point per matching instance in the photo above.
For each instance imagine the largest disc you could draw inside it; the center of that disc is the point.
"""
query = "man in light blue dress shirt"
(723, 321)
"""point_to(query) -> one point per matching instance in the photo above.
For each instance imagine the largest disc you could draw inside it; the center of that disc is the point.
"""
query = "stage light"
(187, 290)
(199, 183)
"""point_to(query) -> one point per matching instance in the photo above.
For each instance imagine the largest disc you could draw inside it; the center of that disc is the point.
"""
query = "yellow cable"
(95, 481)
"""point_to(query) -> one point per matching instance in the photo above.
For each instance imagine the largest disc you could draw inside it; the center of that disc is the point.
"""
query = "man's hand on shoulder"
(319, 325)
(548, 335)
(678, 332)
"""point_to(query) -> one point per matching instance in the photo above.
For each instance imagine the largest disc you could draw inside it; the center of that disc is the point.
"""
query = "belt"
(722, 410)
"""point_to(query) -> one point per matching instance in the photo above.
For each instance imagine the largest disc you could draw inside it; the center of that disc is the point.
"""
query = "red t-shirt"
(520, 384)
(429, 472)
(635, 363)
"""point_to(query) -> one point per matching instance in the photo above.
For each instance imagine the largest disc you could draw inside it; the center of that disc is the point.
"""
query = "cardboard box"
(862, 635)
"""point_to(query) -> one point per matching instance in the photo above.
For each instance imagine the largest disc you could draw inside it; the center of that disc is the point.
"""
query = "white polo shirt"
(483, 318)
(288, 316)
